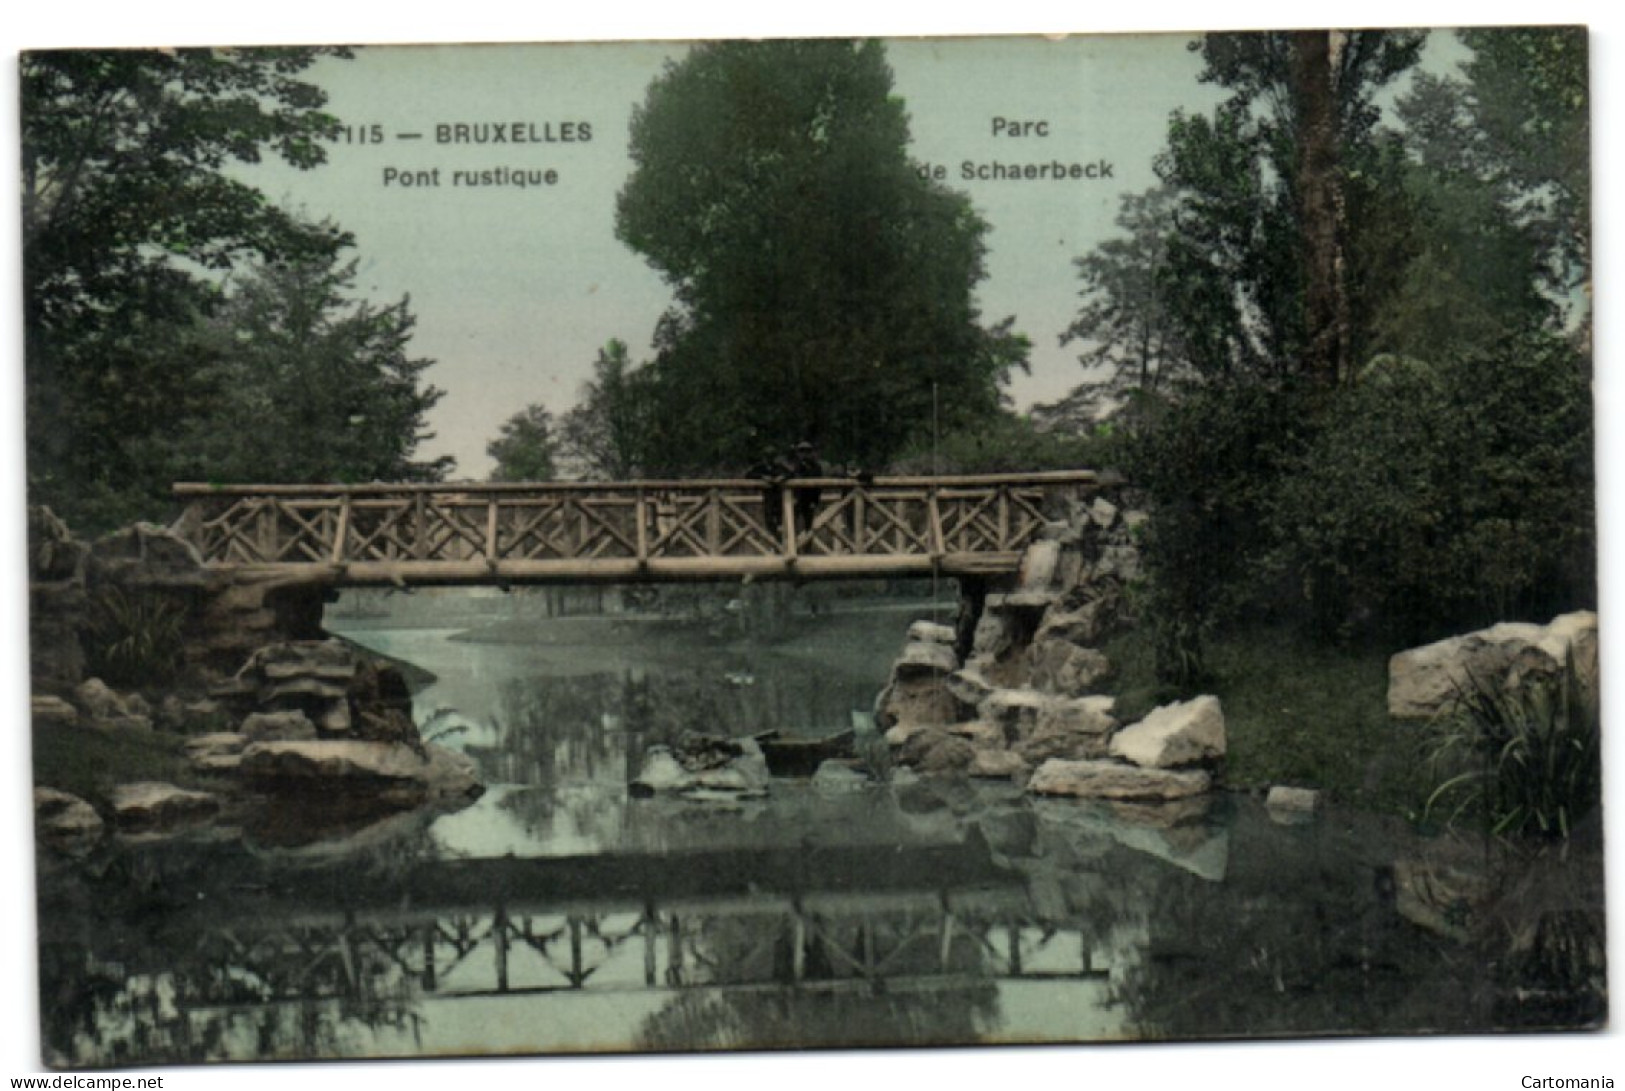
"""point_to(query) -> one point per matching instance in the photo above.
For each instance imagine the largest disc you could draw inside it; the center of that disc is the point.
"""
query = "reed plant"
(1525, 760)
(134, 638)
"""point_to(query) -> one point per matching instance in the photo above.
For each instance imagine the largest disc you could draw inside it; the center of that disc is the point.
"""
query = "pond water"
(556, 914)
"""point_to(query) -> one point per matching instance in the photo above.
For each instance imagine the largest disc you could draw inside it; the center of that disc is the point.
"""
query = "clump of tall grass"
(1525, 760)
(134, 638)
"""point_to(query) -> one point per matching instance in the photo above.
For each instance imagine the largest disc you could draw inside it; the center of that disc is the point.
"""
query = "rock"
(917, 702)
(935, 752)
(154, 805)
(930, 632)
(100, 701)
(924, 660)
(65, 822)
(1119, 562)
(710, 764)
(47, 711)
(1078, 727)
(277, 727)
(982, 734)
(1038, 565)
(216, 752)
(1428, 682)
(1175, 735)
(145, 555)
(898, 734)
(1134, 520)
(1115, 780)
(836, 777)
(1078, 716)
(1015, 711)
(1302, 801)
(54, 554)
(1086, 624)
(969, 687)
(1000, 764)
(1102, 513)
(1062, 667)
(394, 772)
(661, 772)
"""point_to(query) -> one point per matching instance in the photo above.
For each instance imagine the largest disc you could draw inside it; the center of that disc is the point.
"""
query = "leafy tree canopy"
(823, 287)
(308, 384)
(129, 218)
(526, 447)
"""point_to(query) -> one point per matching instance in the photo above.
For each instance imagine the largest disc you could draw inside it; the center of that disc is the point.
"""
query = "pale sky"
(515, 289)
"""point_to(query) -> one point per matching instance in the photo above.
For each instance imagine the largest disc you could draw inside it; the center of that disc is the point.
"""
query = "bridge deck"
(811, 528)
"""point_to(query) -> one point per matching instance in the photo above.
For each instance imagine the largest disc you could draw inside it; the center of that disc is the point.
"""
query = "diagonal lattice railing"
(639, 530)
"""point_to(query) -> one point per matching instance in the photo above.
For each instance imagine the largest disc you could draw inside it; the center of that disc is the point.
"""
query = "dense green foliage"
(524, 450)
(304, 383)
(133, 638)
(137, 345)
(823, 287)
(1441, 477)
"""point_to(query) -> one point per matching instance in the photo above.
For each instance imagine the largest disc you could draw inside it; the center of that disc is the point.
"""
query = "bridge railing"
(628, 530)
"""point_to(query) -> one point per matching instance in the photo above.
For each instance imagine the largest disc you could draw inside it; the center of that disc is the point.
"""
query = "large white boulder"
(1184, 733)
(1429, 681)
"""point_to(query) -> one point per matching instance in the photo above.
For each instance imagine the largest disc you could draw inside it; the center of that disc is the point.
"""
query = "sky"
(1487, 1062)
(516, 287)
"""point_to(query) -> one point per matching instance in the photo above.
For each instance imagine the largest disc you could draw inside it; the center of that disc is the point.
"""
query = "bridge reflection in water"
(280, 969)
(473, 533)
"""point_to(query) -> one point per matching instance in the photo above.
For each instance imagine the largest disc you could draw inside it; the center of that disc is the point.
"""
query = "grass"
(89, 762)
(1294, 714)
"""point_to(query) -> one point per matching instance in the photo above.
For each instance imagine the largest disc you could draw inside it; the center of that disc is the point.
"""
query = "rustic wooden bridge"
(807, 528)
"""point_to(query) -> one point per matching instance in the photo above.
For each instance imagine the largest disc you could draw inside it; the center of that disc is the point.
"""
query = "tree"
(1258, 264)
(126, 201)
(526, 448)
(308, 384)
(823, 287)
(1124, 317)
(605, 435)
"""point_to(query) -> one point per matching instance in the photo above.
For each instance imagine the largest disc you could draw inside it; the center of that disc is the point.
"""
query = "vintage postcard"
(678, 546)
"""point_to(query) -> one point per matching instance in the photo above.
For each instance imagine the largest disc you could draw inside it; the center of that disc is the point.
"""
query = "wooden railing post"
(640, 516)
(491, 550)
(420, 527)
(342, 531)
(787, 523)
(934, 512)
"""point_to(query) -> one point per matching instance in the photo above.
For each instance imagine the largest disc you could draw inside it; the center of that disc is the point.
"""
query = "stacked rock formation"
(1026, 703)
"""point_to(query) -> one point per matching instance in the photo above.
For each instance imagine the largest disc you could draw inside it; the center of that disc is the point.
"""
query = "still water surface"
(556, 914)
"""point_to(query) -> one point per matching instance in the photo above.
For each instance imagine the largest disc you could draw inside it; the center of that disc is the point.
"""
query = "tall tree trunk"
(1326, 321)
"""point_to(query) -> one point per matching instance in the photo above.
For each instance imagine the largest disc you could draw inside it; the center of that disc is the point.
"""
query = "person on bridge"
(772, 471)
(804, 463)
